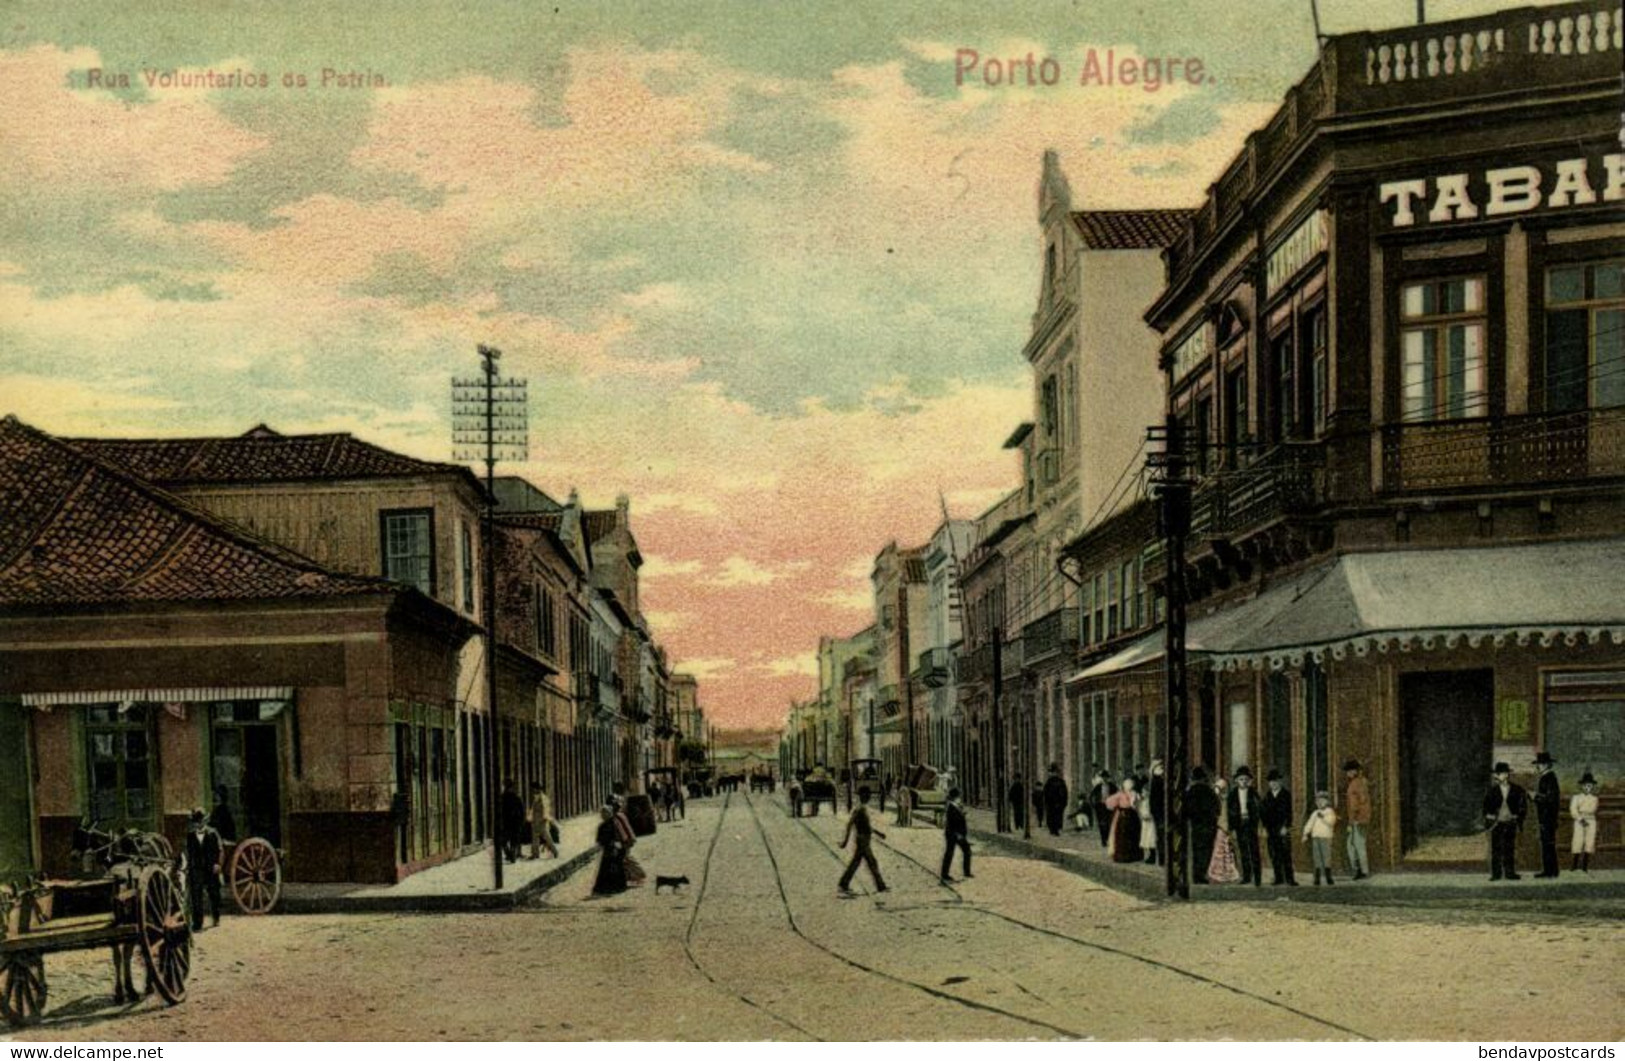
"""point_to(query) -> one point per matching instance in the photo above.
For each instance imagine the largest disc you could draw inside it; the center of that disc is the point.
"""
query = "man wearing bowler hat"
(1506, 805)
(1275, 810)
(1548, 803)
(1242, 811)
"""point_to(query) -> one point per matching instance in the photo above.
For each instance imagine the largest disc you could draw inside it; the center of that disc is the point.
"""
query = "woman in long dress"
(1222, 868)
(1125, 838)
(611, 879)
(1148, 827)
(631, 867)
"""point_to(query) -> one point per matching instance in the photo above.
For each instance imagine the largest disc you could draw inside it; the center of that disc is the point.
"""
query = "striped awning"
(161, 696)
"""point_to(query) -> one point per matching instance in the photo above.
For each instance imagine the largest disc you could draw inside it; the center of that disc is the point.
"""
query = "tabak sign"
(1505, 191)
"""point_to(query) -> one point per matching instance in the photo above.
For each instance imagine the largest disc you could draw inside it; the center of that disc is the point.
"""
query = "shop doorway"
(1446, 744)
(247, 765)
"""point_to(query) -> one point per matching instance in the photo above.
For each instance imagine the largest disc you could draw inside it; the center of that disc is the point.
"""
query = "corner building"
(1394, 333)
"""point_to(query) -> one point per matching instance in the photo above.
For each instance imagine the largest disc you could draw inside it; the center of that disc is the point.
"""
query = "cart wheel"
(22, 988)
(256, 876)
(165, 937)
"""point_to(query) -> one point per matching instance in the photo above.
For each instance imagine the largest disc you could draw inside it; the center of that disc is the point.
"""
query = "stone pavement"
(1081, 853)
(461, 884)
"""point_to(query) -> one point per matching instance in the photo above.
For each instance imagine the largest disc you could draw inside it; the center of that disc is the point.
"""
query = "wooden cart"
(136, 906)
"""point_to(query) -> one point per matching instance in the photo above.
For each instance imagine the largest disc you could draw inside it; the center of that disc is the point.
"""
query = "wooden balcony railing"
(975, 665)
(1055, 633)
(934, 667)
(1503, 451)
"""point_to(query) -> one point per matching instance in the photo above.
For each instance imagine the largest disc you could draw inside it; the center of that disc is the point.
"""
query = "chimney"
(623, 511)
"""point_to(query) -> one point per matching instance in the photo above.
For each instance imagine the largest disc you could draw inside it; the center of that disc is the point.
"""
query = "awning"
(1147, 649)
(1544, 593)
(161, 696)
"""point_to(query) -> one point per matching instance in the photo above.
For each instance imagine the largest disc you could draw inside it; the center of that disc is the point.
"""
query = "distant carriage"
(658, 781)
(135, 905)
(925, 793)
(816, 787)
(866, 773)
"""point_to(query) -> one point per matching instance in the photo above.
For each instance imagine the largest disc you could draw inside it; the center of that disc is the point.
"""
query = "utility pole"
(902, 665)
(481, 432)
(1000, 803)
(1029, 757)
(1172, 486)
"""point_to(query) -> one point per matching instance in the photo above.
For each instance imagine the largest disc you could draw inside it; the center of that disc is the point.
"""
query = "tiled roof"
(1116, 230)
(260, 455)
(81, 531)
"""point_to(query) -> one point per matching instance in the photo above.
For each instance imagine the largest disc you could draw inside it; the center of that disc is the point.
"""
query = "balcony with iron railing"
(887, 700)
(1504, 451)
(1406, 67)
(1011, 658)
(1055, 634)
(935, 668)
(1232, 504)
(974, 666)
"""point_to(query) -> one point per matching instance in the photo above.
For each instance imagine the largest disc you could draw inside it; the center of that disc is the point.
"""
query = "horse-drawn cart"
(136, 905)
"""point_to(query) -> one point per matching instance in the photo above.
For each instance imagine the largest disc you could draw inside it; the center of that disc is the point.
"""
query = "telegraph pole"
(481, 432)
(1002, 811)
(1172, 486)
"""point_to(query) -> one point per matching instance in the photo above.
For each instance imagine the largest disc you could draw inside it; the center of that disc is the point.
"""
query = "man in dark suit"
(1505, 807)
(955, 835)
(1202, 815)
(858, 825)
(1276, 814)
(1548, 802)
(1103, 787)
(1243, 812)
(204, 861)
(1055, 796)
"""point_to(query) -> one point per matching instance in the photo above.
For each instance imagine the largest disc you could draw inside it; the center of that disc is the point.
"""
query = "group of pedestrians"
(1225, 818)
(525, 823)
(1506, 805)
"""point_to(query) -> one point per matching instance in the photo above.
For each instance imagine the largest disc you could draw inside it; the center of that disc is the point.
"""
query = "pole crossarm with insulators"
(1171, 485)
(490, 421)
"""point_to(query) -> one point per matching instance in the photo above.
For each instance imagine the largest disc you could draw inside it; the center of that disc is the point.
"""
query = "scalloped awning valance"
(1543, 594)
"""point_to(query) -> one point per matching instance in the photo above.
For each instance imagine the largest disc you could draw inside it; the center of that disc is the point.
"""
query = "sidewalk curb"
(1112, 876)
(1349, 893)
(467, 902)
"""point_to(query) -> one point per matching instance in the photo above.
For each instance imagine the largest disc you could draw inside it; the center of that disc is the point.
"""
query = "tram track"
(880, 974)
(694, 920)
(961, 906)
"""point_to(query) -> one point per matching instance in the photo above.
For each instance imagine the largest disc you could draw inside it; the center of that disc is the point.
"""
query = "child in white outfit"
(1583, 809)
(1318, 830)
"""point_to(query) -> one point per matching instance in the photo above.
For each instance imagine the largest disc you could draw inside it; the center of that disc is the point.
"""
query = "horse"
(117, 856)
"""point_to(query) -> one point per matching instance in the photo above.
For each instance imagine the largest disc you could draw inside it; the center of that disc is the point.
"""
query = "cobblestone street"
(760, 946)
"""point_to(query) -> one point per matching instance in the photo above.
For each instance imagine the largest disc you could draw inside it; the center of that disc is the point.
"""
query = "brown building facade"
(1393, 339)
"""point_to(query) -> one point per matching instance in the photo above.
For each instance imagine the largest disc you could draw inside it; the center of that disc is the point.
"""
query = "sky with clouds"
(767, 267)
